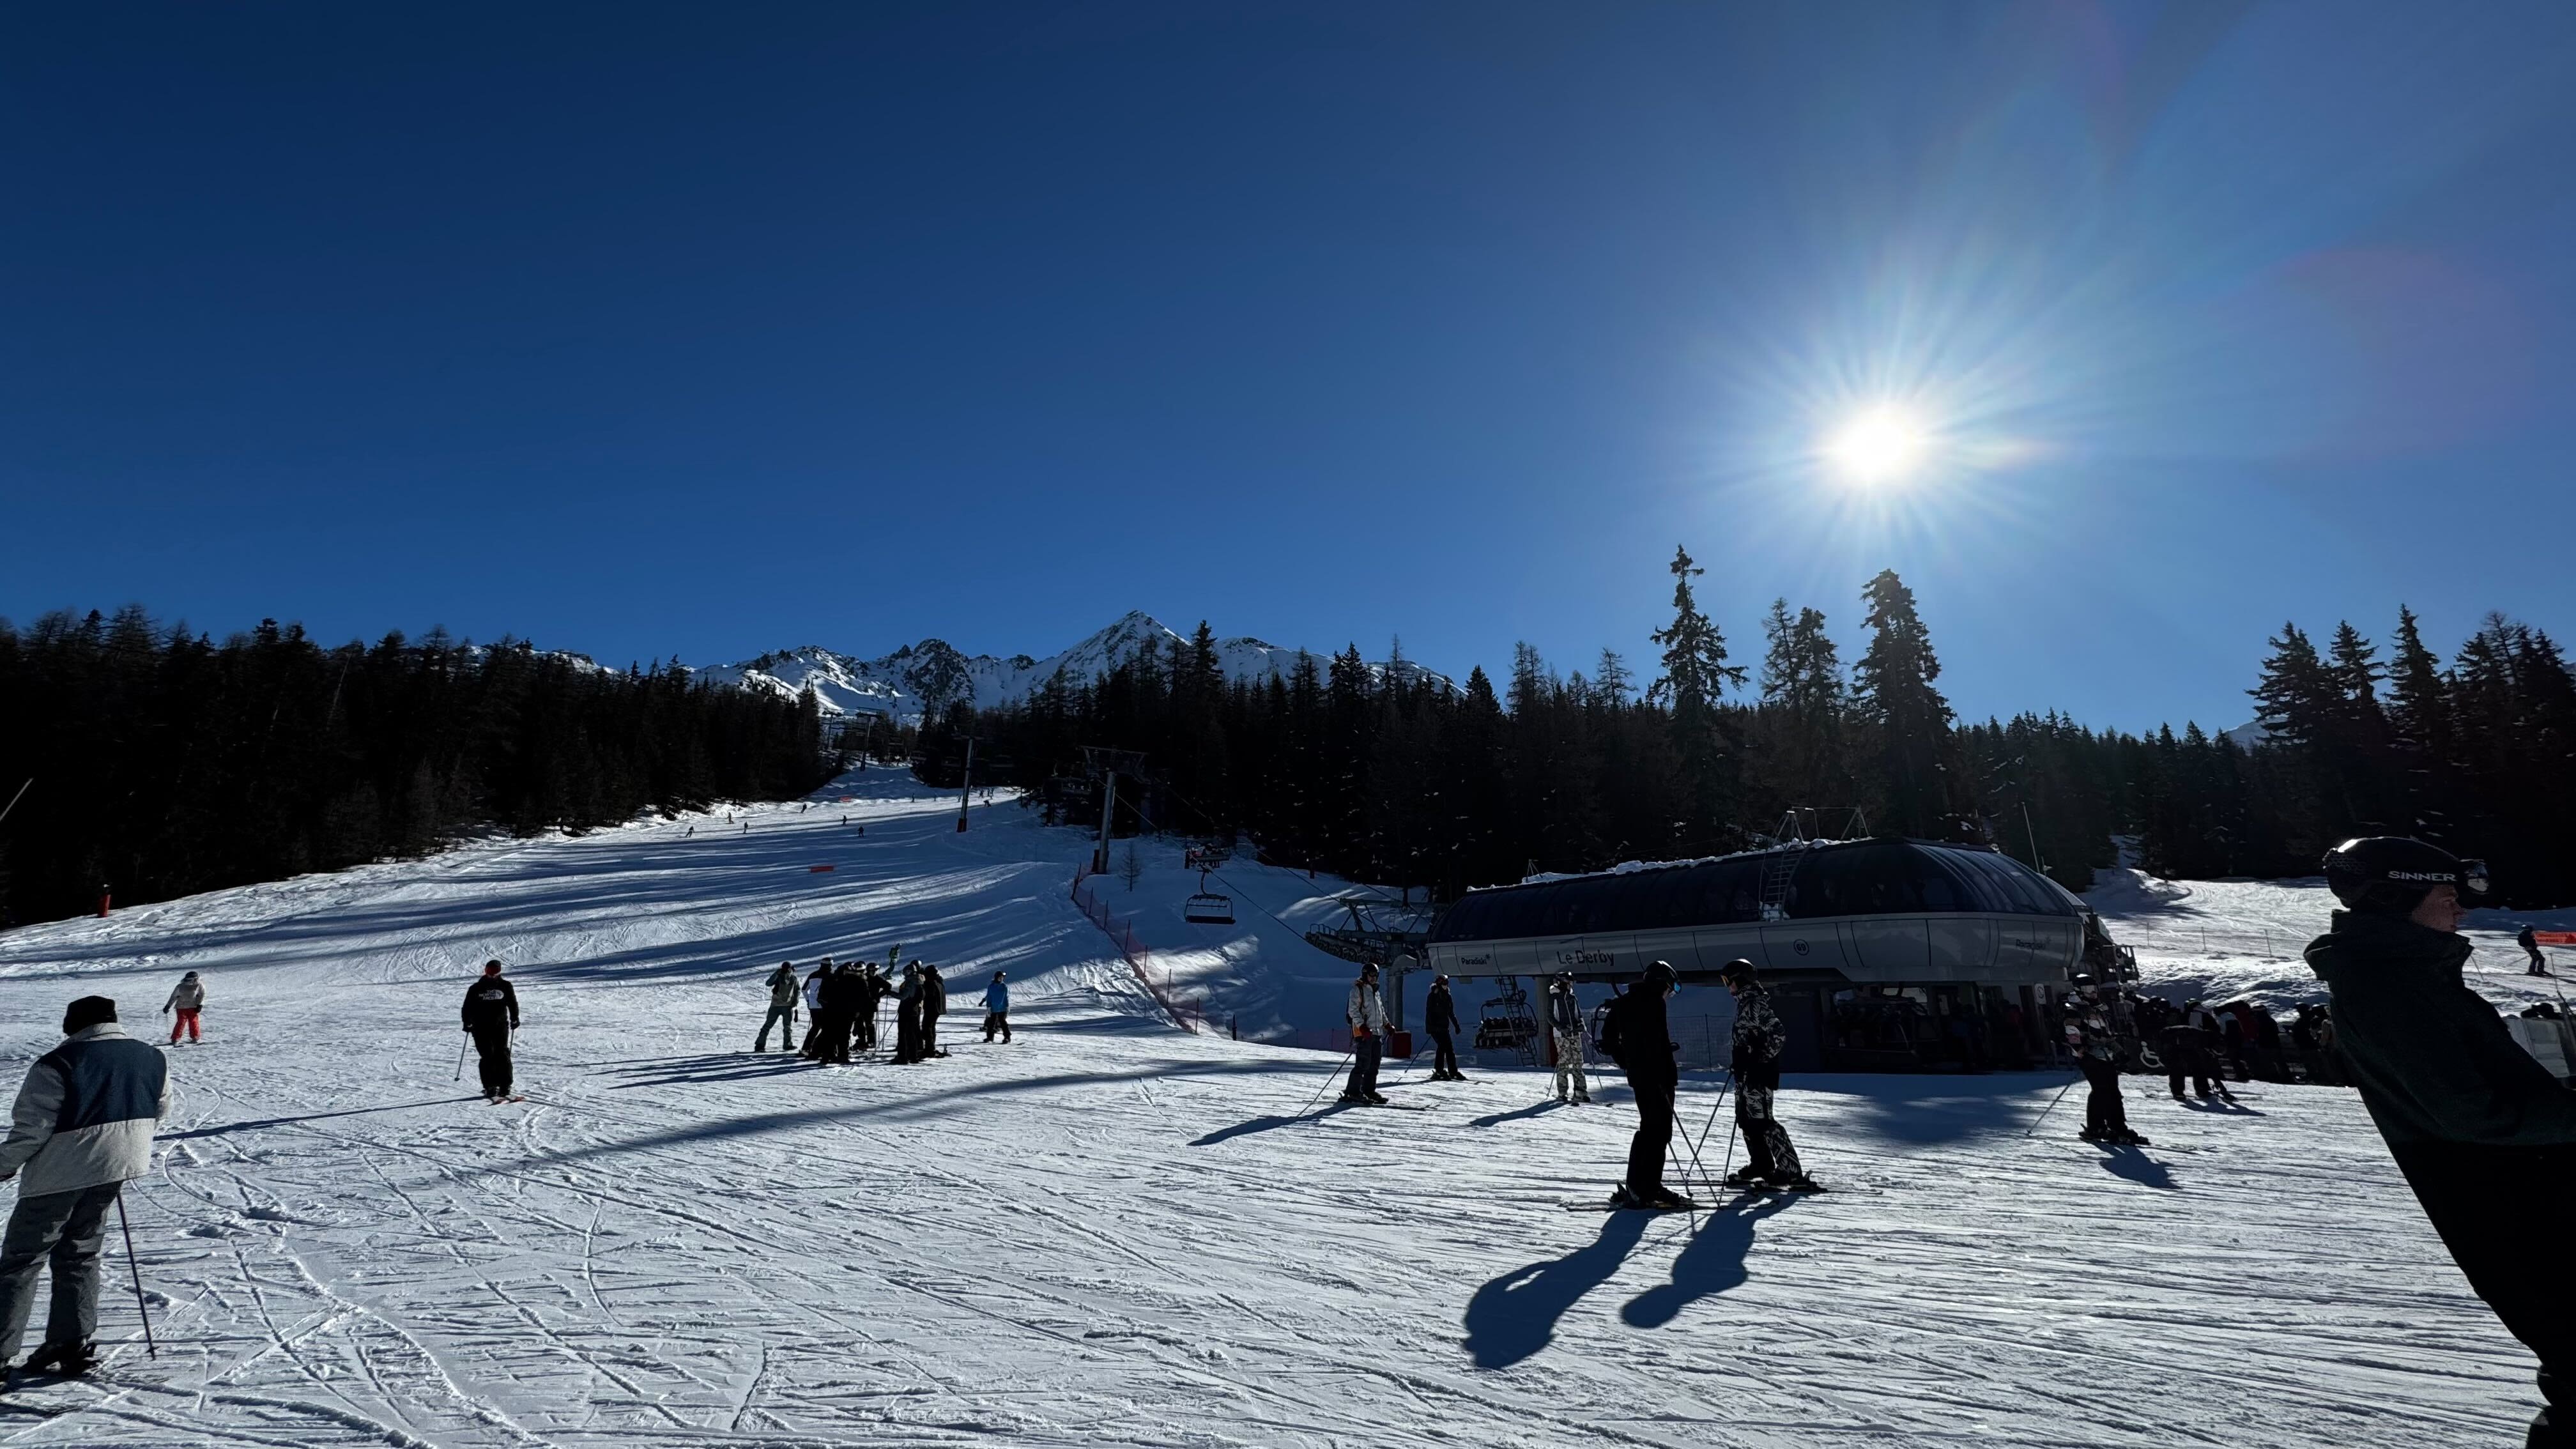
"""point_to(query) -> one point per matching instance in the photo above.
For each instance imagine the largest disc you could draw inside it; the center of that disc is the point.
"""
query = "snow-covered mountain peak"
(924, 679)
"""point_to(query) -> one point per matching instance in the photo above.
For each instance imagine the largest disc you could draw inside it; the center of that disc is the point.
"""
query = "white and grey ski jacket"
(188, 995)
(1367, 1012)
(86, 1112)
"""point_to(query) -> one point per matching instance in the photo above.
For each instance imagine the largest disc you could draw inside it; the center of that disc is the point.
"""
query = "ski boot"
(1583, 1099)
(2089, 1134)
(1375, 1099)
(63, 1360)
(1665, 1199)
(1795, 1182)
(2129, 1137)
(1742, 1177)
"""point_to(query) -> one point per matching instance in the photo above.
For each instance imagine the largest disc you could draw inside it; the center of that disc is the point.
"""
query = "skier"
(1565, 1016)
(997, 1009)
(2529, 940)
(1366, 1013)
(1636, 1036)
(187, 998)
(1770, 1158)
(491, 1014)
(82, 1125)
(2482, 1132)
(811, 1049)
(907, 1016)
(934, 1005)
(782, 1008)
(2096, 1049)
(1440, 1018)
(840, 1011)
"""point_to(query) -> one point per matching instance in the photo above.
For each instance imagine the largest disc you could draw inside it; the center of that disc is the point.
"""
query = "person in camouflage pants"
(1770, 1157)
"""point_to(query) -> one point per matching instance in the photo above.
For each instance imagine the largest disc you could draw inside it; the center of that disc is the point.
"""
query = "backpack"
(1613, 1035)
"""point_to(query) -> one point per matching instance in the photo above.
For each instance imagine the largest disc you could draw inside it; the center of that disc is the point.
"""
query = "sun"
(1880, 444)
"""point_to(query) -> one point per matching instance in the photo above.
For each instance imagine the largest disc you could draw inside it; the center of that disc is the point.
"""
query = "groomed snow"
(1111, 1233)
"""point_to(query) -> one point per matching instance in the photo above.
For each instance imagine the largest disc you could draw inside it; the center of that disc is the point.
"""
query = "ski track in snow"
(1112, 1233)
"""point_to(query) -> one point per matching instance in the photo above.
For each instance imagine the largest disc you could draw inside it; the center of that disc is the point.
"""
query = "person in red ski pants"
(187, 999)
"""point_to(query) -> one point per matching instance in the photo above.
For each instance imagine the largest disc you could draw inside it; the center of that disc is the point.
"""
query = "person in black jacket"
(934, 1005)
(907, 1017)
(872, 990)
(2483, 1133)
(2529, 941)
(491, 1014)
(1645, 1050)
(1760, 1040)
(1440, 1018)
(841, 994)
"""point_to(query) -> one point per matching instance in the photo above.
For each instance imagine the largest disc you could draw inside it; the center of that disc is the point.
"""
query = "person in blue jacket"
(997, 1008)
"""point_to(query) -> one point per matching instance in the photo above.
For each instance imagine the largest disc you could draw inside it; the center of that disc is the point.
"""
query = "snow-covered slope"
(923, 679)
(2229, 938)
(1110, 1233)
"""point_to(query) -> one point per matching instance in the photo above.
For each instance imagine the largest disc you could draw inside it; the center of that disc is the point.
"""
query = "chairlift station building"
(1881, 954)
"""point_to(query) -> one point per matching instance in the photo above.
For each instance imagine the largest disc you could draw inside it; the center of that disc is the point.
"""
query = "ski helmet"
(1737, 970)
(1661, 973)
(2081, 981)
(1368, 968)
(2391, 874)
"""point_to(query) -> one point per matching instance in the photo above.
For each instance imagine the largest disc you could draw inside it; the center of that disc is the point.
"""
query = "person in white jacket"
(82, 1125)
(187, 998)
(1367, 1015)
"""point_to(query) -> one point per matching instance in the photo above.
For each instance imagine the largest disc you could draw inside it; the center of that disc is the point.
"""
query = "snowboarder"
(187, 998)
(82, 1125)
(907, 1017)
(997, 1009)
(1565, 1019)
(1637, 1037)
(782, 1008)
(2096, 1049)
(2481, 1130)
(1770, 1158)
(934, 1005)
(1366, 1012)
(1440, 1018)
(2529, 940)
(491, 1014)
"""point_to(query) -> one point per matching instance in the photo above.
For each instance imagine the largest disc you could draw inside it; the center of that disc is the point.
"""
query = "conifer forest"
(164, 763)
(1388, 775)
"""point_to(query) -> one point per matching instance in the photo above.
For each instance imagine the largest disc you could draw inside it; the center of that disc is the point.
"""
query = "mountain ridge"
(917, 680)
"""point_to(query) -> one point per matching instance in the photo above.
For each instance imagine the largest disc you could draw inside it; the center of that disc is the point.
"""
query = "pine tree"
(1894, 695)
(1695, 673)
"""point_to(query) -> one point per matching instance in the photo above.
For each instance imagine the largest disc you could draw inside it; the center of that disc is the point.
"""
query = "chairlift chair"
(1207, 908)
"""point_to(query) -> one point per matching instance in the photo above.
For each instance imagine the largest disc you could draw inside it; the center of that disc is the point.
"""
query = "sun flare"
(1880, 444)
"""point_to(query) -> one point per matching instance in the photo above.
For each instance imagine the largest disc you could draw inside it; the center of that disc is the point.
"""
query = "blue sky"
(646, 330)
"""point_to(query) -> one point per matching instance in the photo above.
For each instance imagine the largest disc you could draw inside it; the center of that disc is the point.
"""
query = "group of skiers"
(843, 1003)
(1636, 1035)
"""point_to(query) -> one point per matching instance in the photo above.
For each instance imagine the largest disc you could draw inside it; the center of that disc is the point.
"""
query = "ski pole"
(1328, 1081)
(1696, 1164)
(150, 1348)
(2052, 1104)
(460, 1061)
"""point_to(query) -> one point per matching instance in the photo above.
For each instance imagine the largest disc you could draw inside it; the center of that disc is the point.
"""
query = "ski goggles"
(2473, 877)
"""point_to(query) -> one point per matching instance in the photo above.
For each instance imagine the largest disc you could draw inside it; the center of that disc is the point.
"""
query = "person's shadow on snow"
(2136, 1166)
(1515, 1315)
(1710, 1264)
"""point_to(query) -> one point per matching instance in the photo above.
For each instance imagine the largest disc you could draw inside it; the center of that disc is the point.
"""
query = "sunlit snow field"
(1113, 1233)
